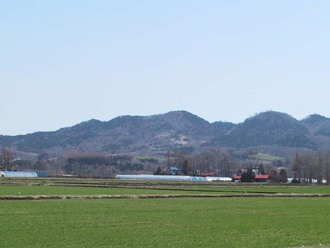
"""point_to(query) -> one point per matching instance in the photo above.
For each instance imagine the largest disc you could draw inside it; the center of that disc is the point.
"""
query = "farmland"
(267, 157)
(172, 222)
(72, 186)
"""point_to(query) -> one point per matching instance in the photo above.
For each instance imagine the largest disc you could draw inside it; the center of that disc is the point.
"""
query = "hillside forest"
(135, 144)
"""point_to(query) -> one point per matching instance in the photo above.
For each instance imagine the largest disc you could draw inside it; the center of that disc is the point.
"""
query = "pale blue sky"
(63, 62)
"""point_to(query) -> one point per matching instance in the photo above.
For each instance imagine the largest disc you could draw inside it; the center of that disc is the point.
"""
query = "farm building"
(158, 177)
(174, 170)
(173, 178)
(23, 174)
(219, 179)
(18, 174)
(256, 173)
(262, 178)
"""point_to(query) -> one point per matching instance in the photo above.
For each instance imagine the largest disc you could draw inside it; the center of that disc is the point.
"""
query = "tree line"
(218, 161)
(303, 166)
(76, 163)
(310, 165)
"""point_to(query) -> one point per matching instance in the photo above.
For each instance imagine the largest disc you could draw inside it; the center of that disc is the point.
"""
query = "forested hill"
(139, 134)
(270, 128)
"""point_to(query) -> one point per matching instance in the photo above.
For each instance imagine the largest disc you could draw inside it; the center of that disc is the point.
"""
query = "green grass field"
(201, 222)
(170, 222)
(75, 186)
(267, 157)
(136, 190)
(160, 159)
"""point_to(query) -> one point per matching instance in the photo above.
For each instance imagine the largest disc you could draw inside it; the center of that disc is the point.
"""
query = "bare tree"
(308, 161)
(6, 159)
(312, 165)
(326, 165)
(168, 158)
(296, 168)
(226, 164)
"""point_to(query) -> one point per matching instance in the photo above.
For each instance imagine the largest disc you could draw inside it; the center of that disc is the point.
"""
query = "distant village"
(208, 166)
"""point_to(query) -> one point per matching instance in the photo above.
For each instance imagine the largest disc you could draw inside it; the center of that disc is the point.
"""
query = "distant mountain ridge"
(268, 128)
(141, 134)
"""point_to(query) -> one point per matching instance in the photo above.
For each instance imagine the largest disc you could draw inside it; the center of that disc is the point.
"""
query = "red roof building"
(257, 176)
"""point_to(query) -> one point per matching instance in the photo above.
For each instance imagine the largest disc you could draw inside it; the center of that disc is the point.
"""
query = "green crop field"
(170, 222)
(74, 186)
(198, 222)
(153, 189)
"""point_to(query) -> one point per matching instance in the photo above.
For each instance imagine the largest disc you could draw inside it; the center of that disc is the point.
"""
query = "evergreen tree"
(283, 177)
(247, 176)
(158, 171)
(262, 169)
(273, 176)
(185, 167)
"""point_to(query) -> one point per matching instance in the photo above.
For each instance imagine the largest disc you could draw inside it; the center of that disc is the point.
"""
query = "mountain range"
(156, 134)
